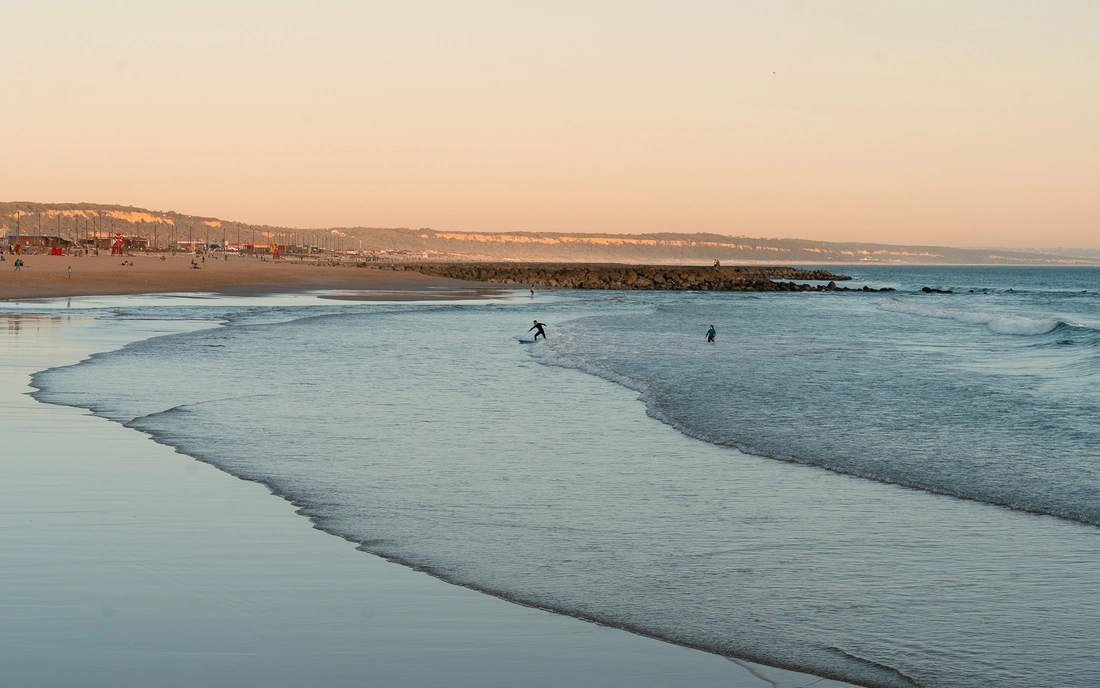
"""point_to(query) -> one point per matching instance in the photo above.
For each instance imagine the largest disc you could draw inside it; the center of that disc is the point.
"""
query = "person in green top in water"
(710, 335)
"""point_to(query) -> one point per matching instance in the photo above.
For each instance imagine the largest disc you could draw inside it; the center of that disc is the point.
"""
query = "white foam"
(1000, 323)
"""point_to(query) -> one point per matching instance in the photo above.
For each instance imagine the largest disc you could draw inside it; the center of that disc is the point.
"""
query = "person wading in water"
(710, 335)
(538, 326)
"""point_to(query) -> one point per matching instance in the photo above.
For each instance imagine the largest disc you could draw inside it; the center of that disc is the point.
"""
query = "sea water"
(893, 488)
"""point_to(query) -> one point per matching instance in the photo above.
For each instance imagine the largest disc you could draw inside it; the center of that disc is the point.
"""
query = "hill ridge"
(83, 218)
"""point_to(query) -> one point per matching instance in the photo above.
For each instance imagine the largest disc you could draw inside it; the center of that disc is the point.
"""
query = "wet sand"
(48, 276)
(127, 564)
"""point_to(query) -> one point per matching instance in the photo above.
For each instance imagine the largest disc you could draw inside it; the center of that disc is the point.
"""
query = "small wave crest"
(748, 402)
(1000, 323)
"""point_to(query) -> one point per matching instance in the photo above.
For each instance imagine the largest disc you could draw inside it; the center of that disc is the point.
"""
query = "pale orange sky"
(932, 122)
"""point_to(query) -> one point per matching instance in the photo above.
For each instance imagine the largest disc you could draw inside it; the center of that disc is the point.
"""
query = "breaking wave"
(1000, 323)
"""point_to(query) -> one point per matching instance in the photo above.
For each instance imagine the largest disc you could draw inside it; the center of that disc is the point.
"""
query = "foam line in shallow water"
(460, 455)
(1000, 323)
(832, 383)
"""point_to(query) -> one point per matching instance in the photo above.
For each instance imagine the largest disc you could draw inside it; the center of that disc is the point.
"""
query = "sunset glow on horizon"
(931, 123)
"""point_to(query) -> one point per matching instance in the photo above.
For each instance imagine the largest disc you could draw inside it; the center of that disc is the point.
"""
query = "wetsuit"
(710, 334)
(538, 326)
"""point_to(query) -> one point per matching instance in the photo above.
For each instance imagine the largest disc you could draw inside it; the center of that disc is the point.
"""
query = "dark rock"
(631, 277)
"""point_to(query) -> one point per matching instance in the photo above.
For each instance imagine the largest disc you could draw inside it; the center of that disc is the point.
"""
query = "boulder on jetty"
(633, 277)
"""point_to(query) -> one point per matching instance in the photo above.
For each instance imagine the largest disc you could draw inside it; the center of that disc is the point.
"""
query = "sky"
(961, 122)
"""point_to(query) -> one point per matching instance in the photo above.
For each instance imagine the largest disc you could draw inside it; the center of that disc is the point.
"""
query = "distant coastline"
(77, 224)
(51, 276)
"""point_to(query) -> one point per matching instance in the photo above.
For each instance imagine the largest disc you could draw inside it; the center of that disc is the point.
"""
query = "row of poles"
(97, 227)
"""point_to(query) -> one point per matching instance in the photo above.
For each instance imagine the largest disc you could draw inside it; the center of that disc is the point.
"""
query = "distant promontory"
(633, 277)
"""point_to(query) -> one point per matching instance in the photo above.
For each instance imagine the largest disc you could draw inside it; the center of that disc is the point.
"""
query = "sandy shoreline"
(45, 276)
(48, 277)
(127, 564)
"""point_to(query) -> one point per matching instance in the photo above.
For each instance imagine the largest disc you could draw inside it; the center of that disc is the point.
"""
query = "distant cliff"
(675, 247)
(81, 219)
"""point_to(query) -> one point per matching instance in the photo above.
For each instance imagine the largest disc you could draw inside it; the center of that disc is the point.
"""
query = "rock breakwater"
(631, 277)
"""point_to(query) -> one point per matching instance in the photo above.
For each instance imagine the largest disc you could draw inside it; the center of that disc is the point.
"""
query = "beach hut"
(40, 239)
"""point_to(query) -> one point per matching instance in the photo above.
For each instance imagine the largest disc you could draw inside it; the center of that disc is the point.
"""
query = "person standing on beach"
(710, 335)
(538, 326)
(70, 272)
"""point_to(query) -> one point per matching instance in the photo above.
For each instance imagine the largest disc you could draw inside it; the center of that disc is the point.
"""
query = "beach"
(129, 564)
(833, 486)
(45, 276)
(740, 344)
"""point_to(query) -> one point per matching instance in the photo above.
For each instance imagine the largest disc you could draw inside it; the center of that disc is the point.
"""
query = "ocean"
(886, 488)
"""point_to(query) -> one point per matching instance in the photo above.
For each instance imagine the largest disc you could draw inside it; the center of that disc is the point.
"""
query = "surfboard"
(527, 341)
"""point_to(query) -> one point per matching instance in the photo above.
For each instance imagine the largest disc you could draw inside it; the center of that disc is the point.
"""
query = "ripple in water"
(429, 436)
